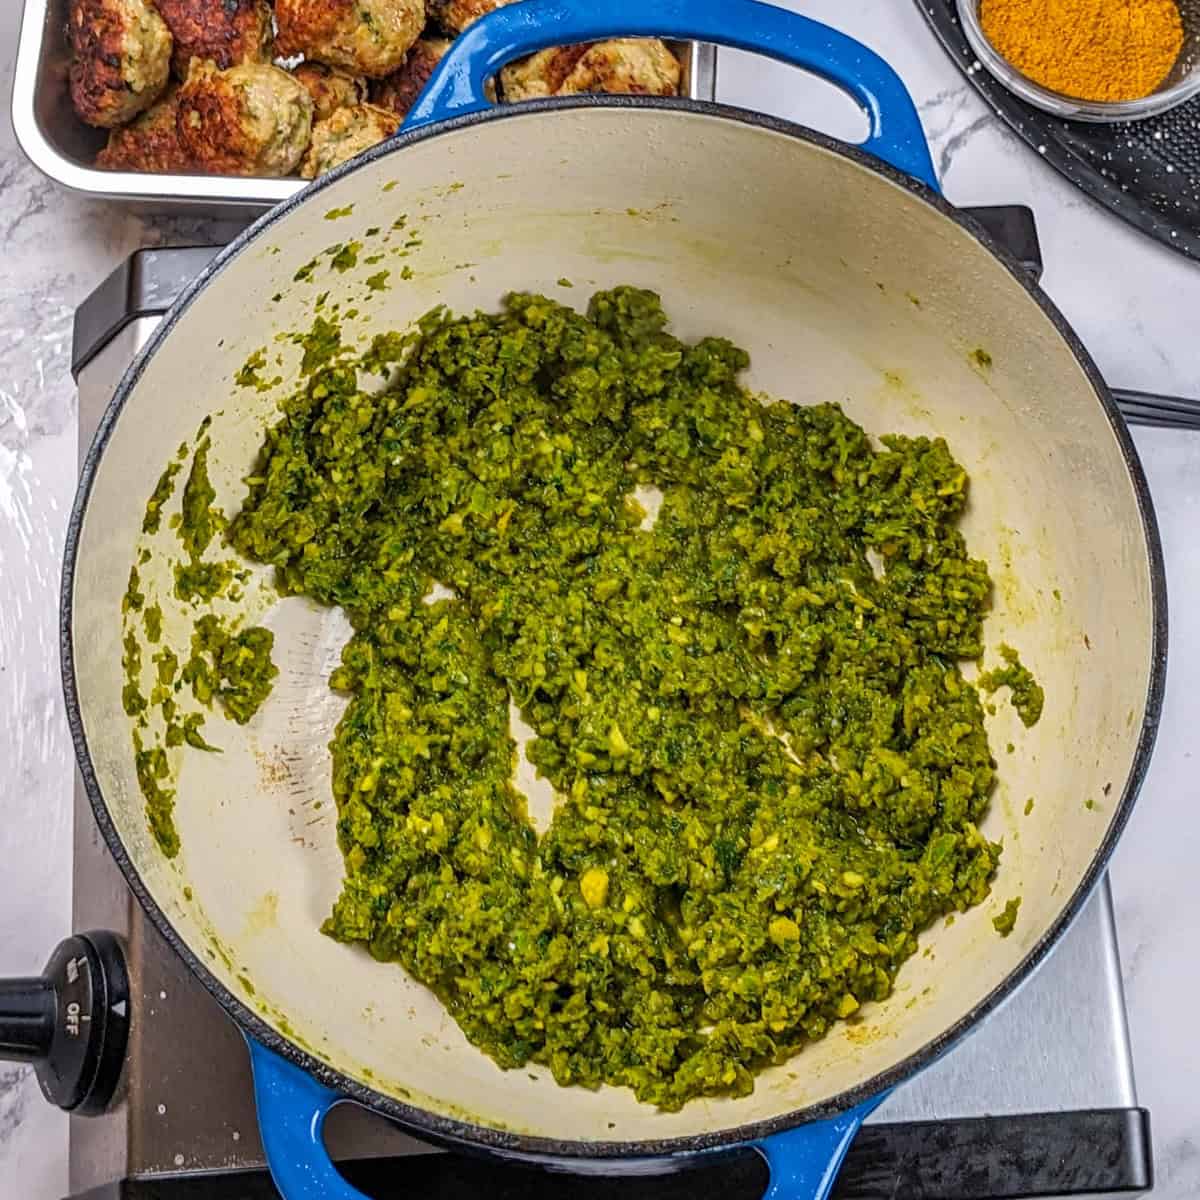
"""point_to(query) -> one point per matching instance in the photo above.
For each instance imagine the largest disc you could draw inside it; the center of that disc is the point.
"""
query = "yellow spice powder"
(1089, 49)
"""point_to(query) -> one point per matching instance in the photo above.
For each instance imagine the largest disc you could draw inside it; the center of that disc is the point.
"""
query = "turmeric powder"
(1087, 49)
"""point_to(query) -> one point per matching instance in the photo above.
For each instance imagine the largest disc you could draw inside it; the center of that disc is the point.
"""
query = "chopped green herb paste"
(1027, 695)
(234, 668)
(163, 491)
(1005, 922)
(199, 520)
(134, 597)
(770, 772)
(197, 580)
(132, 699)
(153, 619)
(152, 769)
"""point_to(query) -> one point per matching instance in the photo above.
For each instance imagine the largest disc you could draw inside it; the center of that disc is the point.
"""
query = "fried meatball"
(120, 59)
(455, 15)
(398, 90)
(227, 32)
(347, 133)
(253, 119)
(330, 89)
(641, 66)
(149, 143)
(368, 37)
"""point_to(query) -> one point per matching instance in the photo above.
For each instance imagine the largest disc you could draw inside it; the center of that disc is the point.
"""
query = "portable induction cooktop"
(1039, 1102)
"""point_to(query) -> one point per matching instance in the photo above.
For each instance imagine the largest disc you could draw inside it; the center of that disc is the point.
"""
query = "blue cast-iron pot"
(848, 278)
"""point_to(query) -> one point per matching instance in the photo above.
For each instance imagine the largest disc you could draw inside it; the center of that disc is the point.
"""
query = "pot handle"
(804, 1162)
(292, 1107)
(456, 87)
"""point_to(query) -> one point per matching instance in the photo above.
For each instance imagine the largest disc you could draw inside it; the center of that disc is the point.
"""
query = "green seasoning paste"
(1028, 698)
(162, 493)
(1006, 921)
(151, 765)
(234, 668)
(199, 519)
(769, 770)
(199, 522)
(227, 664)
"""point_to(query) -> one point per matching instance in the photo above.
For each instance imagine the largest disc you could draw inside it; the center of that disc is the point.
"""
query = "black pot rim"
(466, 1134)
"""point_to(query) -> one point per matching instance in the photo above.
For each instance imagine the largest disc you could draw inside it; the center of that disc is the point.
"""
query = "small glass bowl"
(1181, 84)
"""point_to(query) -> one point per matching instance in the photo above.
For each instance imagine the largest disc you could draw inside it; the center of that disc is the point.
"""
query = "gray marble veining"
(1133, 303)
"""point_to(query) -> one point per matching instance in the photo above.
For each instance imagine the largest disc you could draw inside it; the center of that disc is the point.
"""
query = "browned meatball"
(226, 32)
(642, 66)
(368, 37)
(398, 90)
(346, 134)
(150, 142)
(120, 59)
(455, 15)
(253, 119)
(330, 89)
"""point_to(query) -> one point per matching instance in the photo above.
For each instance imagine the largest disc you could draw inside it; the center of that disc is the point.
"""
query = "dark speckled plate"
(1147, 172)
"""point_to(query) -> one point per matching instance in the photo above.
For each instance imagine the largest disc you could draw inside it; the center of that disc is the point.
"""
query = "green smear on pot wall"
(1026, 693)
(234, 668)
(1006, 921)
(230, 665)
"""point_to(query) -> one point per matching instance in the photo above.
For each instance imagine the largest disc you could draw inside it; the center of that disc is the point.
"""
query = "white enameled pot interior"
(844, 286)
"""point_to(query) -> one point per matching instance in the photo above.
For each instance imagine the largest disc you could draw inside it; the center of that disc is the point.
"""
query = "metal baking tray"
(63, 148)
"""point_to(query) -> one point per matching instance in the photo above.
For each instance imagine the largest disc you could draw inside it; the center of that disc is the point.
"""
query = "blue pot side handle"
(457, 85)
(292, 1107)
(805, 1161)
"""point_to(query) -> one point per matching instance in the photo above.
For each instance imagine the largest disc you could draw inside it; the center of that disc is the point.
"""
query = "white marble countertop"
(1133, 303)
